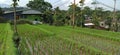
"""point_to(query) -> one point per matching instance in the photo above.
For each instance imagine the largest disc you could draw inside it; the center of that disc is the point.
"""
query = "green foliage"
(40, 5)
(87, 11)
(21, 21)
(33, 17)
(1, 12)
(44, 7)
(48, 17)
(59, 17)
(15, 3)
(79, 17)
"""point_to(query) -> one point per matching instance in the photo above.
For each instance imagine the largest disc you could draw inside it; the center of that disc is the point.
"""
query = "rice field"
(6, 42)
(62, 40)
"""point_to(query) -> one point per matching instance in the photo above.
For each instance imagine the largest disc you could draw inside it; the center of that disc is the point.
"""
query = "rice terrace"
(59, 27)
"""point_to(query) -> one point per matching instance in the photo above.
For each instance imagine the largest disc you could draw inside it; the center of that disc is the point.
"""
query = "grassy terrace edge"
(8, 47)
(113, 37)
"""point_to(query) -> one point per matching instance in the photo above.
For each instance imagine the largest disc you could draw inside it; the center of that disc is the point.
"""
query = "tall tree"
(40, 5)
(95, 19)
(87, 11)
(82, 15)
(59, 17)
(15, 20)
(77, 13)
(114, 21)
(73, 19)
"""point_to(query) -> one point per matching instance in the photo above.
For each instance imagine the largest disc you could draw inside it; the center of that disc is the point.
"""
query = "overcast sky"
(63, 4)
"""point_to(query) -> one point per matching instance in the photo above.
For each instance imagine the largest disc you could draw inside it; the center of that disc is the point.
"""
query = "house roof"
(31, 12)
(6, 12)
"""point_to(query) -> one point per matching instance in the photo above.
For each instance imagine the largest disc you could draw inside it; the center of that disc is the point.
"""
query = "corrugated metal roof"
(6, 12)
(31, 12)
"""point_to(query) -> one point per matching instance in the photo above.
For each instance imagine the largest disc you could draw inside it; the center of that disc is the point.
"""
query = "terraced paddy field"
(6, 42)
(58, 40)
(64, 40)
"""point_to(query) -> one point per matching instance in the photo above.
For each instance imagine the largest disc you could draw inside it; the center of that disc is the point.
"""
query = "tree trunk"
(15, 20)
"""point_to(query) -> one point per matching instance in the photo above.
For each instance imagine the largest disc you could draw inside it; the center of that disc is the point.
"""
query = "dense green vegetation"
(78, 14)
(6, 42)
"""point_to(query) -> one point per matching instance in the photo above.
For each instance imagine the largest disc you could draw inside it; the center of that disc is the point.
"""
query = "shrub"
(21, 22)
(58, 23)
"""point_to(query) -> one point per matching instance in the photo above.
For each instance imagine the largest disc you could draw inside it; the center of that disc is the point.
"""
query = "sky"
(63, 4)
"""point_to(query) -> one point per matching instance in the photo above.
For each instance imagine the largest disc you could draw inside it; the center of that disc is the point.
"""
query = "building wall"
(10, 16)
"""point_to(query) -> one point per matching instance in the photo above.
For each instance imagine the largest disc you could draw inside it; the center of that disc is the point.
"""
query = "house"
(88, 22)
(10, 14)
(20, 14)
(31, 12)
(102, 24)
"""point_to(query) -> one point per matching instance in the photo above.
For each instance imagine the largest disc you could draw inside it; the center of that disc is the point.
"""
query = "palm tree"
(14, 6)
(114, 21)
(94, 15)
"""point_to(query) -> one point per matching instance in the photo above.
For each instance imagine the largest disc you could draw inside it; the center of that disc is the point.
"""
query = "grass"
(85, 37)
(7, 46)
(59, 42)
(99, 33)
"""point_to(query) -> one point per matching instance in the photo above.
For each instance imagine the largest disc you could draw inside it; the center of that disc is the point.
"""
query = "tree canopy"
(40, 5)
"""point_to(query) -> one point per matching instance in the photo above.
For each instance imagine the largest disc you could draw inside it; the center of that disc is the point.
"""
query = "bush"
(22, 22)
(3, 20)
(58, 23)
